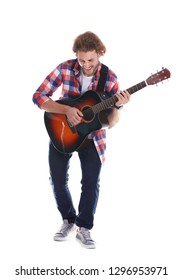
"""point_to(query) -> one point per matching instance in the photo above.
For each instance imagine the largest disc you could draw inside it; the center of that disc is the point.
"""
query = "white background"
(138, 219)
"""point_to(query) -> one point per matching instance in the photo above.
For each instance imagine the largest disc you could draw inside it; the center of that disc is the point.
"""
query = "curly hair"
(88, 41)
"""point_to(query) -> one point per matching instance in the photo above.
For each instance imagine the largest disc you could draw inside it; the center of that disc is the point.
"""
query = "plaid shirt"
(68, 75)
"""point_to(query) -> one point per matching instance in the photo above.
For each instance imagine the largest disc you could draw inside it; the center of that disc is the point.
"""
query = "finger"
(125, 95)
(122, 93)
(80, 114)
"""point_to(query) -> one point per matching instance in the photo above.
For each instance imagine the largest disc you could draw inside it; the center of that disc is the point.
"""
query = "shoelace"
(86, 234)
(65, 226)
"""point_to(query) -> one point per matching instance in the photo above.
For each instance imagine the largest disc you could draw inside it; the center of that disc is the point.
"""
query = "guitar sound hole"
(88, 114)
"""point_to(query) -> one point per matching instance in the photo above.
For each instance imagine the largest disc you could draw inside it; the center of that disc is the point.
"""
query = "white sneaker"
(64, 231)
(84, 238)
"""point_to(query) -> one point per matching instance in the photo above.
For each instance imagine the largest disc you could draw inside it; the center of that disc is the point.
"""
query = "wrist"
(118, 107)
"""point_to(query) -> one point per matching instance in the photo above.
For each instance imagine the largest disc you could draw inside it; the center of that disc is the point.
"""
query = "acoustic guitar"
(67, 138)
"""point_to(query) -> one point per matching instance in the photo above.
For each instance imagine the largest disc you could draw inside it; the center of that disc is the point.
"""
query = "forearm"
(54, 107)
(113, 117)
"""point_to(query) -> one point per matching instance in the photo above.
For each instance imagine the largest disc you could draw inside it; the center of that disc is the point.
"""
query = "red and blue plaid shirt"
(68, 76)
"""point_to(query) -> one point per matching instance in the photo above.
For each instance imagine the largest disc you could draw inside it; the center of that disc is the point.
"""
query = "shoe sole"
(60, 238)
(86, 246)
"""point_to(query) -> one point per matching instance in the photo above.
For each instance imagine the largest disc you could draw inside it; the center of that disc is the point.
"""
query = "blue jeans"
(90, 166)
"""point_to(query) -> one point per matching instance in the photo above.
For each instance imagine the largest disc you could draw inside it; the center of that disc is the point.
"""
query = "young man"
(76, 76)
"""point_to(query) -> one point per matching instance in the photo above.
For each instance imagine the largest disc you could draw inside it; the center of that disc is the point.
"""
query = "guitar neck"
(136, 87)
(109, 102)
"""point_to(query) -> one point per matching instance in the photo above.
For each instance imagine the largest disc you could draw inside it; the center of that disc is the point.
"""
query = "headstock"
(158, 77)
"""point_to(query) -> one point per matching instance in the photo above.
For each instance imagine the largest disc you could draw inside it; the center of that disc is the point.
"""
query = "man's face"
(88, 61)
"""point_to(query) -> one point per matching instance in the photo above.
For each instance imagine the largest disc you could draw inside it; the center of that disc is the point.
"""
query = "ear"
(100, 54)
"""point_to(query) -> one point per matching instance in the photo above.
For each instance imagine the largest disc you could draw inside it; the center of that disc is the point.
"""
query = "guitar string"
(108, 103)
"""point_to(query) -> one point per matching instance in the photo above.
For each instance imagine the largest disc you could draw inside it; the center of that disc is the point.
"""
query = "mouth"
(87, 69)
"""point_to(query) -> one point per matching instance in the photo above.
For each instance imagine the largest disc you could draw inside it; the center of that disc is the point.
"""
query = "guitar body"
(67, 138)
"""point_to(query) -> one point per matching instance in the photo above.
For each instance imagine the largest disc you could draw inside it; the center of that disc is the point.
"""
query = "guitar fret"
(104, 104)
(137, 87)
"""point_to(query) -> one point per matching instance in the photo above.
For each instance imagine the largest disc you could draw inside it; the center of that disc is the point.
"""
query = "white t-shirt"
(86, 80)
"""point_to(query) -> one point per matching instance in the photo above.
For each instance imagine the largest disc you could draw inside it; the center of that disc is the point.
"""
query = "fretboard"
(137, 87)
(109, 102)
